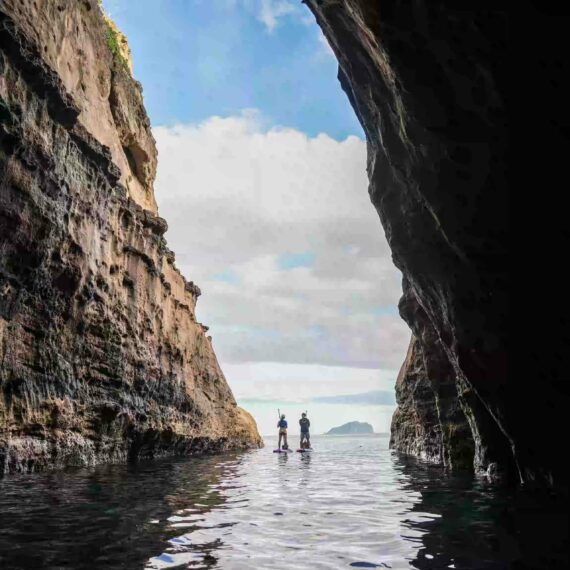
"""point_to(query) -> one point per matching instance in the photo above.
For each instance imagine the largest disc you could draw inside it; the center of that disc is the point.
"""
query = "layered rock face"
(101, 355)
(427, 82)
(429, 421)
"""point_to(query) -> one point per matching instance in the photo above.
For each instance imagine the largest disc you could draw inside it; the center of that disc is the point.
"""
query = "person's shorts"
(282, 432)
(305, 434)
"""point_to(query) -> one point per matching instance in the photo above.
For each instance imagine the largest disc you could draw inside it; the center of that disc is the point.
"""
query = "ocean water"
(352, 503)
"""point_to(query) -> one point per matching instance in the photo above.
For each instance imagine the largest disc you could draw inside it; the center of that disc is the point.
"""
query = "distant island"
(351, 428)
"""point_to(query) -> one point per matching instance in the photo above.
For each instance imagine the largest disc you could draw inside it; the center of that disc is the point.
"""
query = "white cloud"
(271, 10)
(238, 198)
(268, 381)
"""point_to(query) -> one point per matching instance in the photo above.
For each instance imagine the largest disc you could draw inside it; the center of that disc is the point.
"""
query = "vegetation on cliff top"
(113, 44)
(116, 41)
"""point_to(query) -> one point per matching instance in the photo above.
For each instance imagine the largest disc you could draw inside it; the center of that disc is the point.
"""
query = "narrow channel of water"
(351, 503)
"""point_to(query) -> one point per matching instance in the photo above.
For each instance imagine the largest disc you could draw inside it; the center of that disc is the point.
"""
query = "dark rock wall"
(446, 425)
(415, 426)
(427, 81)
(101, 357)
(91, 305)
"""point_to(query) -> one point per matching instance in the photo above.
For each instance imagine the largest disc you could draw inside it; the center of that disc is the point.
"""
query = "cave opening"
(268, 210)
(292, 240)
(262, 179)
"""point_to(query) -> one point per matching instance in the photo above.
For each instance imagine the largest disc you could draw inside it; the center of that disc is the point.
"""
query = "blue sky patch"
(385, 311)
(197, 58)
(372, 398)
(227, 276)
(294, 260)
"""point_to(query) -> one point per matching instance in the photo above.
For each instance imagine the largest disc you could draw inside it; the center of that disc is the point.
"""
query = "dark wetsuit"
(305, 424)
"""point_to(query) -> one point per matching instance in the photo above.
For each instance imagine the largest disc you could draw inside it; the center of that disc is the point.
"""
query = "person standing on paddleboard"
(282, 425)
(305, 437)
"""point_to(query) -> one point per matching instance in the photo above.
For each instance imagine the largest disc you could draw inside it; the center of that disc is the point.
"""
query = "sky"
(262, 179)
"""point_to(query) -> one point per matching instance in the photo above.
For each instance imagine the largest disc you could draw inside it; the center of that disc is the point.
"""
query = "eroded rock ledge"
(101, 357)
(427, 81)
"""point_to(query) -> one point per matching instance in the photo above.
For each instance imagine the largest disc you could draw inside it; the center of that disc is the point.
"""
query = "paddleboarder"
(305, 437)
(282, 425)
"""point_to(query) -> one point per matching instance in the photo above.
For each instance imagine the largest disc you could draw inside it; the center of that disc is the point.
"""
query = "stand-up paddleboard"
(305, 450)
(282, 451)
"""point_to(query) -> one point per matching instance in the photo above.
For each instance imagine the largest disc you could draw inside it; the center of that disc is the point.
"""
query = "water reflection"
(107, 517)
(349, 504)
(466, 528)
(478, 525)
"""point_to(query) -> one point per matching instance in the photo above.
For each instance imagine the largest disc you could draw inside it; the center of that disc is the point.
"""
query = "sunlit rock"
(101, 355)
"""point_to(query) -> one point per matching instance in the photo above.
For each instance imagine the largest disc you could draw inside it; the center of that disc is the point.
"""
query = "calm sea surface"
(350, 504)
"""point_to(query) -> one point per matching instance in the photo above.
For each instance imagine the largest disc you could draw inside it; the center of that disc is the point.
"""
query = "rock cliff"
(101, 355)
(427, 81)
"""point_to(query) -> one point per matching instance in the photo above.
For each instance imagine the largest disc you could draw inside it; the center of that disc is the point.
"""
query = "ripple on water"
(350, 504)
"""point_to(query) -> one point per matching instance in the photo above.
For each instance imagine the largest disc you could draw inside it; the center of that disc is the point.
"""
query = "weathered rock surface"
(427, 81)
(429, 421)
(101, 357)
(415, 426)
